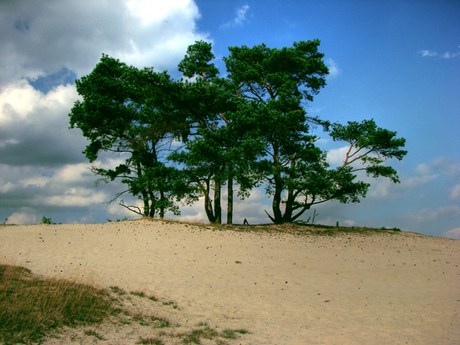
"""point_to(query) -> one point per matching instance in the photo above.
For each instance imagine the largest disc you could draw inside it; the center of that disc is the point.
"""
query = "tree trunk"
(230, 201)
(162, 205)
(146, 205)
(217, 205)
(208, 204)
(287, 217)
(276, 205)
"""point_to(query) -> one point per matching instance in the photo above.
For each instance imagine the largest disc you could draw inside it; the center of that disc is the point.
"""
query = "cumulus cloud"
(454, 234)
(239, 19)
(40, 38)
(34, 126)
(45, 46)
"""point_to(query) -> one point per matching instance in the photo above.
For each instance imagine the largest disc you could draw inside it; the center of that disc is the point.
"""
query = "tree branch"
(129, 208)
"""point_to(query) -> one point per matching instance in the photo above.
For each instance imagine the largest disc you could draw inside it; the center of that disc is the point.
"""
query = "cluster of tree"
(184, 139)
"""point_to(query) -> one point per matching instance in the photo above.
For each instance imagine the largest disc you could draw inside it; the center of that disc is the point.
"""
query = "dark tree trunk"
(208, 204)
(162, 205)
(230, 201)
(287, 217)
(217, 205)
(276, 205)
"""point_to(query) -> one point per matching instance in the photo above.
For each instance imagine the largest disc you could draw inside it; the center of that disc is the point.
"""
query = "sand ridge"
(380, 288)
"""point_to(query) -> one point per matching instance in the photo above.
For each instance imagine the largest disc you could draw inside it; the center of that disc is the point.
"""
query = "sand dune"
(380, 288)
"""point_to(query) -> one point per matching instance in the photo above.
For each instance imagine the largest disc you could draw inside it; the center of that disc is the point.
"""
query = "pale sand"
(399, 288)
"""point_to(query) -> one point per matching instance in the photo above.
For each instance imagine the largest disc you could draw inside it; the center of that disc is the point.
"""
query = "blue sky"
(397, 62)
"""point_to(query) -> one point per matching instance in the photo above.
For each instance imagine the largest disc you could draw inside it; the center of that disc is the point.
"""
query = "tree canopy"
(182, 139)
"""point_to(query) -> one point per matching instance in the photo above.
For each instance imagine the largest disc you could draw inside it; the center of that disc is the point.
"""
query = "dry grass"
(31, 307)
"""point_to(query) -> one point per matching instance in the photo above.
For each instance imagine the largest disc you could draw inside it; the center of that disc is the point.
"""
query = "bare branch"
(129, 208)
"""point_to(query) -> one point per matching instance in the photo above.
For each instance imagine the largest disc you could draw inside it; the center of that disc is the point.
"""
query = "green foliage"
(188, 138)
(46, 220)
(134, 113)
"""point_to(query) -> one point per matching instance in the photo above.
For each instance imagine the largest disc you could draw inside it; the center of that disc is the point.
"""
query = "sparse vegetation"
(118, 220)
(298, 228)
(33, 308)
(48, 221)
(195, 336)
(92, 332)
(231, 334)
(154, 341)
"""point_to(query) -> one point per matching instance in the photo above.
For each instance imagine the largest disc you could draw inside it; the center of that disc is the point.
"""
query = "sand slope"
(399, 288)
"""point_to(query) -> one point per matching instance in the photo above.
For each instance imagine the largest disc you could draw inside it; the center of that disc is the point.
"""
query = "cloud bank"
(40, 37)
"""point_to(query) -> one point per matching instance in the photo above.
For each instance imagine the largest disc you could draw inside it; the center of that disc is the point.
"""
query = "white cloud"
(241, 14)
(454, 234)
(76, 197)
(428, 215)
(39, 38)
(383, 187)
(446, 55)
(444, 164)
(239, 19)
(43, 169)
(334, 69)
(426, 53)
(23, 218)
(455, 193)
(337, 156)
(34, 126)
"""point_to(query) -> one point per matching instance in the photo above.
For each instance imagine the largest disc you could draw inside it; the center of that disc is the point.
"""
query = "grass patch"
(231, 334)
(154, 341)
(31, 307)
(138, 293)
(117, 290)
(95, 334)
(195, 336)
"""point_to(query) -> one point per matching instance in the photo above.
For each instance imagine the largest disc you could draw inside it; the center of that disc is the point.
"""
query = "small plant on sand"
(48, 221)
(4, 222)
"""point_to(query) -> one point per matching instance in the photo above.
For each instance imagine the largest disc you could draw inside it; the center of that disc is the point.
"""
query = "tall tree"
(274, 83)
(218, 151)
(132, 113)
